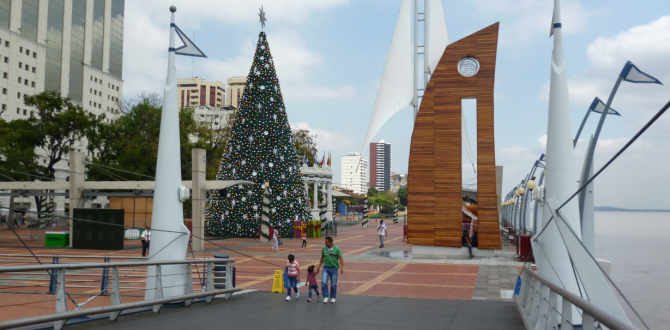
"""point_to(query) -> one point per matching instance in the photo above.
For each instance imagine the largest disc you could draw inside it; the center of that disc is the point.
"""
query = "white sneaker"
(332, 300)
(297, 294)
(325, 300)
(288, 298)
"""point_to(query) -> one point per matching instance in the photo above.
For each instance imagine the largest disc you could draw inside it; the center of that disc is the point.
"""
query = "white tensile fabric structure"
(397, 86)
(396, 90)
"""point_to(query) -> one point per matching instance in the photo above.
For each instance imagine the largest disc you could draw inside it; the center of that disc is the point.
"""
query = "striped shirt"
(292, 268)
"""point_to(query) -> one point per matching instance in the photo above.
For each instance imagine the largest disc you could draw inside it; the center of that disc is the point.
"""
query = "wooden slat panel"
(115, 202)
(435, 175)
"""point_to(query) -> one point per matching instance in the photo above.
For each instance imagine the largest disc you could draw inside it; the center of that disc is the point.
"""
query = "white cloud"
(145, 63)
(532, 18)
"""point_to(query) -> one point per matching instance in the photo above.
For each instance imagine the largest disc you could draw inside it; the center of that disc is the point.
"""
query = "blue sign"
(342, 209)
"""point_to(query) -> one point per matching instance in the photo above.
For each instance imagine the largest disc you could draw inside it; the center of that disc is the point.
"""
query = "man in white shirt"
(146, 238)
(382, 232)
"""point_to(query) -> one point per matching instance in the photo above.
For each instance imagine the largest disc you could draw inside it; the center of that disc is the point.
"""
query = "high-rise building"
(353, 179)
(74, 47)
(380, 165)
(194, 92)
(235, 90)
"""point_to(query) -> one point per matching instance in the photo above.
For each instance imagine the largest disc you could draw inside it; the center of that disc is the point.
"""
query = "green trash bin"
(57, 239)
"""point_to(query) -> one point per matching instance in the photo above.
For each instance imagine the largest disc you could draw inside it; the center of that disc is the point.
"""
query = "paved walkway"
(369, 271)
(263, 310)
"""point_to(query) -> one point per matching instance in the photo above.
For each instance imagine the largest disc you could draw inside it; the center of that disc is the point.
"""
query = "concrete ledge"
(461, 252)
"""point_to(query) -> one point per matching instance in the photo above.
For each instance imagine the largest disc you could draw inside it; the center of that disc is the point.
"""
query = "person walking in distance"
(146, 238)
(331, 259)
(275, 236)
(304, 239)
(382, 232)
(293, 272)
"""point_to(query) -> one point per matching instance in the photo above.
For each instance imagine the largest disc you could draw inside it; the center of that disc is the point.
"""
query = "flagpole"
(579, 131)
(588, 160)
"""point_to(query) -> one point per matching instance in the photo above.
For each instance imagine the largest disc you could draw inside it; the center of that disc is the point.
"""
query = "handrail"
(607, 319)
(106, 309)
(30, 268)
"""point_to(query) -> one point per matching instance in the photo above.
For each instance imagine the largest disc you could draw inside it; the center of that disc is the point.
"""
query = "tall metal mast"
(420, 17)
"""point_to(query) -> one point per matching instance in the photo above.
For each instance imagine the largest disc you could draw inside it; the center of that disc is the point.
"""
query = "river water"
(638, 245)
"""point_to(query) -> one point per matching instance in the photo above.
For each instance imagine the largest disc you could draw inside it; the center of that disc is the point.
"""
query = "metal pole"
(426, 43)
(416, 58)
(589, 154)
(579, 131)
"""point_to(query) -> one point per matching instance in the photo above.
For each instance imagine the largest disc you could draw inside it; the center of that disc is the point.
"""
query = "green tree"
(17, 150)
(304, 143)
(372, 192)
(402, 195)
(130, 143)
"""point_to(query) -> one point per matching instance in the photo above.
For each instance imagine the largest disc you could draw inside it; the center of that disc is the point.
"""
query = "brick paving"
(366, 272)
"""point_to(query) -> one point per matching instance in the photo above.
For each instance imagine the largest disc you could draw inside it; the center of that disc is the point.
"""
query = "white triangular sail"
(189, 48)
(397, 87)
(438, 37)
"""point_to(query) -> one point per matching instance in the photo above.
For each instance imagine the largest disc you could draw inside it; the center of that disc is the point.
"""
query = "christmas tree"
(260, 149)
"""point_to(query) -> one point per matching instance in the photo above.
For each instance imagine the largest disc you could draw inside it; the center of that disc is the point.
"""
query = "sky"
(330, 55)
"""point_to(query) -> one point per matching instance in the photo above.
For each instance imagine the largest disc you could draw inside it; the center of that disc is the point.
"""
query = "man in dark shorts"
(331, 259)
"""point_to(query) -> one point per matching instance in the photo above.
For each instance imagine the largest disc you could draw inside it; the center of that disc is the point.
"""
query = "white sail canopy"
(397, 86)
(438, 37)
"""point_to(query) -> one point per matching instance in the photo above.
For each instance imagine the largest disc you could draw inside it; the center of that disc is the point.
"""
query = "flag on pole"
(632, 74)
(322, 159)
(316, 160)
(304, 160)
(599, 106)
(329, 158)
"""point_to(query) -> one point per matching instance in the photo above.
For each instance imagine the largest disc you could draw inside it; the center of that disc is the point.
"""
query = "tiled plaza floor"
(366, 272)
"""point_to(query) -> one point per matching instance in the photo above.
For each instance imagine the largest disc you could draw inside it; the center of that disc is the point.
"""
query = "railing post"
(588, 322)
(552, 318)
(61, 299)
(229, 278)
(53, 278)
(105, 278)
(543, 313)
(535, 307)
(189, 284)
(158, 291)
(529, 295)
(566, 314)
(116, 293)
(210, 281)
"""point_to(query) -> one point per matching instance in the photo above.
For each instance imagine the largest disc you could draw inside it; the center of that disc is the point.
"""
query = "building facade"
(380, 165)
(352, 179)
(74, 47)
(235, 90)
(196, 92)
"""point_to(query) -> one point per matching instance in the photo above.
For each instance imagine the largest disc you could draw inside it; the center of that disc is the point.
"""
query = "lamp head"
(516, 193)
(521, 191)
(531, 184)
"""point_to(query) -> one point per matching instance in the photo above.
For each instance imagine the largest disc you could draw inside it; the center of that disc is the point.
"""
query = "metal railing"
(58, 272)
(539, 306)
(507, 236)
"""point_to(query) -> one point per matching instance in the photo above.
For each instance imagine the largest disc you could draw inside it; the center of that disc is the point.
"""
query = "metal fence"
(540, 307)
(56, 221)
(117, 276)
(507, 236)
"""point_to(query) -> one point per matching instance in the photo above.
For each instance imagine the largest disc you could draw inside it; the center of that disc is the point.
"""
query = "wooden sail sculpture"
(466, 70)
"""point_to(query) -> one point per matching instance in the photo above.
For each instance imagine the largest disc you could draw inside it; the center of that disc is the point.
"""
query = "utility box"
(57, 238)
(98, 229)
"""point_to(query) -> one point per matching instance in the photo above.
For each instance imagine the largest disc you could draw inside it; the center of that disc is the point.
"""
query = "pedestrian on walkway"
(293, 272)
(275, 236)
(382, 232)
(313, 284)
(331, 259)
(304, 239)
(467, 241)
(146, 238)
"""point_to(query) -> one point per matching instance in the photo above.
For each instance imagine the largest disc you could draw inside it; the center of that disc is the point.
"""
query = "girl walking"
(304, 239)
(311, 281)
(293, 272)
(275, 235)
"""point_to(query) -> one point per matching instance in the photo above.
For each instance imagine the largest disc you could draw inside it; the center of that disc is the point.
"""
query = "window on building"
(108, 84)
(25, 112)
(34, 70)
(18, 111)
(34, 55)
(90, 90)
(20, 65)
(32, 84)
(32, 113)
(117, 88)
(27, 67)
(21, 49)
(28, 52)
(90, 102)
(6, 59)
(100, 81)
(18, 95)
(99, 105)
(91, 78)
(25, 82)
(96, 79)
(4, 107)
(4, 75)
(19, 80)
(4, 91)
(95, 104)
(6, 43)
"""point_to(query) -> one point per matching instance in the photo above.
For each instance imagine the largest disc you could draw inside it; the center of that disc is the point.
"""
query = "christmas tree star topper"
(261, 15)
